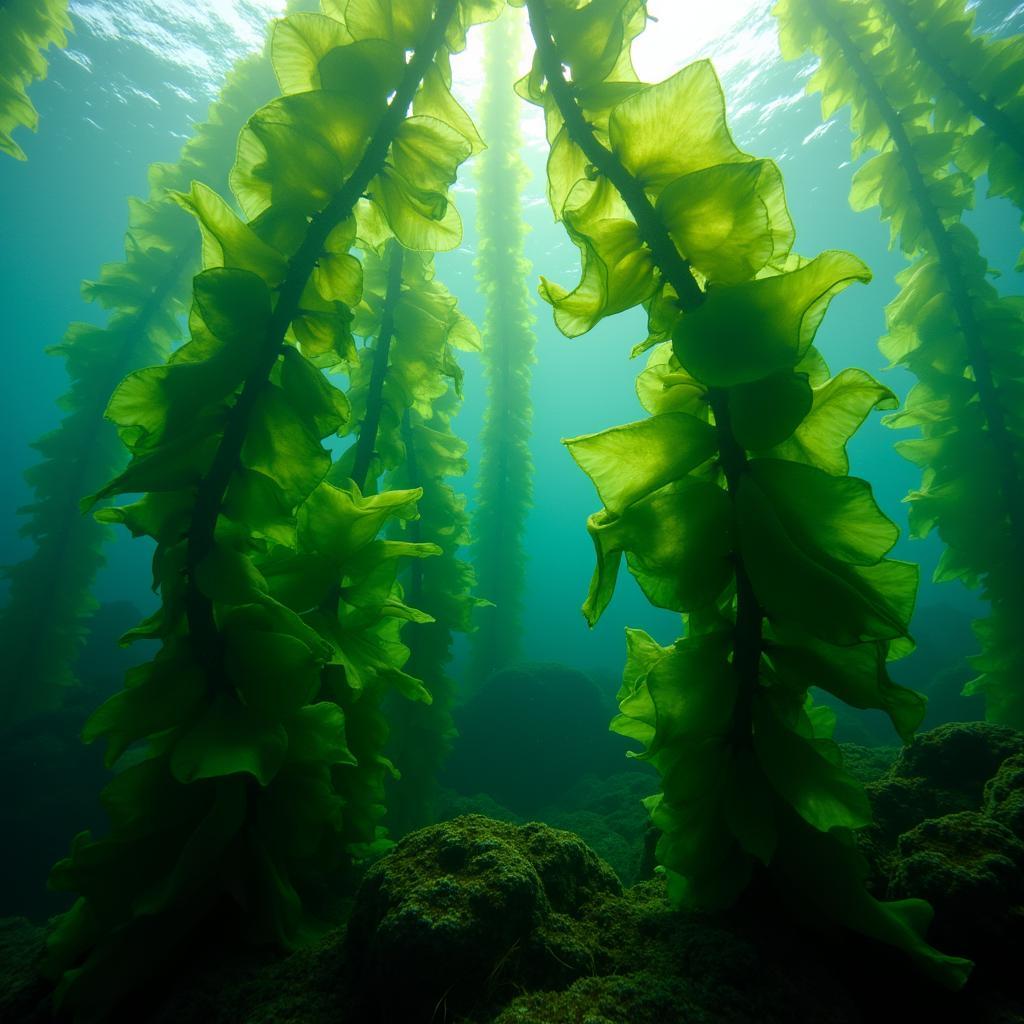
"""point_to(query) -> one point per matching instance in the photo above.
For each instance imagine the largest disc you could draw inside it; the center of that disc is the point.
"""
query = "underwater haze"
(513, 511)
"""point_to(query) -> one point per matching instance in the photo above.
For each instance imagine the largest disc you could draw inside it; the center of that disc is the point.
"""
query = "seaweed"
(948, 325)
(27, 29)
(44, 624)
(256, 731)
(504, 490)
(731, 502)
(405, 389)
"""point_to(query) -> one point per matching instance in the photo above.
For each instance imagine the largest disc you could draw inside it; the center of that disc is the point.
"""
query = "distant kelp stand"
(405, 387)
(44, 625)
(28, 28)
(257, 725)
(731, 502)
(948, 325)
(504, 489)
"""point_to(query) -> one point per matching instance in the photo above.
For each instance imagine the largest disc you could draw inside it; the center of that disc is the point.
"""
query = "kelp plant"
(504, 487)
(405, 389)
(948, 325)
(732, 501)
(44, 624)
(255, 724)
(28, 28)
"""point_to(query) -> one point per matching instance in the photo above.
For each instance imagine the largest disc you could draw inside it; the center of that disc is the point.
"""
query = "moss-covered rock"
(462, 914)
(1004, 795)
(944, 771)
(971, 869)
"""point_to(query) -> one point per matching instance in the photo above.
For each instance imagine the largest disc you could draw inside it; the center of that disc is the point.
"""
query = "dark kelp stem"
(676, 271)
(959, 294)
(367, 442)
(210, 494)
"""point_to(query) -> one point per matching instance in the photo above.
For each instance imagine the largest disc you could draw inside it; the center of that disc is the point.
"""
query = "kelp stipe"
(258, 719)
(731, 502)
(44, 624)
(504, 490)
(948, 325)
(405, 389)
(27, 29)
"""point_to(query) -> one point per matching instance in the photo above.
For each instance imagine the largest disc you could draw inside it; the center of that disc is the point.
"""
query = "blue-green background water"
(138, 74)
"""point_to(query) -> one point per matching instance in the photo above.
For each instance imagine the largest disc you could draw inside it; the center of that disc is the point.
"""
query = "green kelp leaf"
(678, 542)
(227, 576)
(337, 522)
(227, 240)
(664, 386)
(367, 72)
(274, 673)
(839, 407)
(403, 23)
(730, 221)
(618, 273)
(421, 219)
(807, 773)
(428, 152)
(744, 332)
(591, 38)
(325, 336)
(837, 514)
(338, 275)
(625, 463)
(858, 675)
(434, 99)
(234, 304)
(316, 734)
(229, 739)
(283, 445)
(765, 412)
(277, 162)
(674, 128)
(298, 44)
(257, 501)
(798, 582)
(312, 394)
(157, 696)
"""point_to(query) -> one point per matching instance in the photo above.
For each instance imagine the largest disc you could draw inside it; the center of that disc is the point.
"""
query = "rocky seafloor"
(486, 921)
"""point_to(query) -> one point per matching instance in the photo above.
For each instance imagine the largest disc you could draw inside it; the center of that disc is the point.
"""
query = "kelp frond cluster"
(44, 624)
(504, 490)
(260, 713)
(932, 133)
(27, 29)
(731, 502)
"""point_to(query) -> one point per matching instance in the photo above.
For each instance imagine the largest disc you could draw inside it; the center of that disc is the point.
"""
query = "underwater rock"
(461, 914)
(1004, 795)
(971, 869)
(24, 996)
(514, 743)
(942, 772)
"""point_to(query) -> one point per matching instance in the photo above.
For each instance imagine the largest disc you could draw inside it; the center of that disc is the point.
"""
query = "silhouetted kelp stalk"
(731, 502)
(44, 625)
(27, 29)
(504, 489)
(975, 81)
(404, 392)
(948, 325)
(259, 719)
